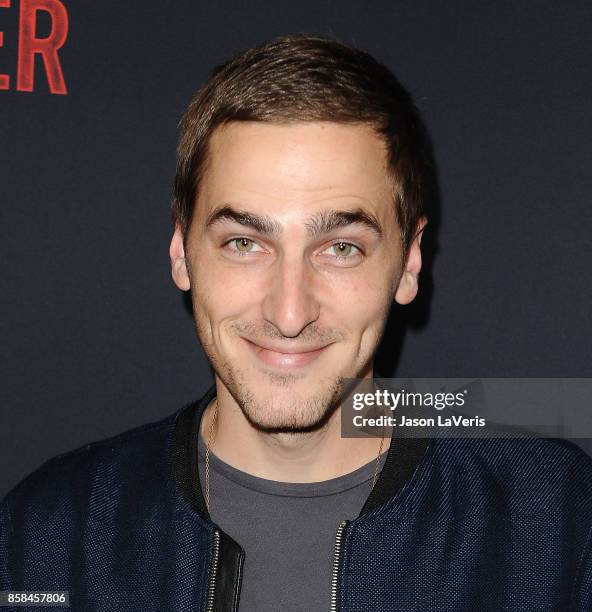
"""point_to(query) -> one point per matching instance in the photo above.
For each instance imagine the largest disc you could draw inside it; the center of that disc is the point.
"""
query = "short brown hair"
(300, 78)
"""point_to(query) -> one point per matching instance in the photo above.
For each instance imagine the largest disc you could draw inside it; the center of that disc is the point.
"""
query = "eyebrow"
(318, 224)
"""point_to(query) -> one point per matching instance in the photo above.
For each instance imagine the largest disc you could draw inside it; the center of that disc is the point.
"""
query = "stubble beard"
(279, 408)
(276, 406)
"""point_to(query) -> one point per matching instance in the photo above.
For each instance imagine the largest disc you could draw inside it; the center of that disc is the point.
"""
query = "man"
(298, 211)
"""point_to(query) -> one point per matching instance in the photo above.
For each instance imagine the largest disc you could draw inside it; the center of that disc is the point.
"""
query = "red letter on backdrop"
(4, 78)
(48, 47)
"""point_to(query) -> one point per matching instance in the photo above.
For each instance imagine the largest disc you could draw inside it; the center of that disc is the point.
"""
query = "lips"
(284, 357)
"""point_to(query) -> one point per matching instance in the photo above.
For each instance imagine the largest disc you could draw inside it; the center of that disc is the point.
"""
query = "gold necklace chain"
(210, 442)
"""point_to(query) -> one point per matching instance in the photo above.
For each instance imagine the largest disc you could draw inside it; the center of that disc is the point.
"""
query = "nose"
(290, 303)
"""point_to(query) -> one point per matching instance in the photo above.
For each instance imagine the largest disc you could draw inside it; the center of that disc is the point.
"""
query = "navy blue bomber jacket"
(452, 525)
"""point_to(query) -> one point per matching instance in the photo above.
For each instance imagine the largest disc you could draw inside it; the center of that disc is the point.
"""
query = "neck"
(287, 457)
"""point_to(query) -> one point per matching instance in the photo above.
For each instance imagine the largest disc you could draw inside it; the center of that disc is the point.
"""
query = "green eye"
(244, 245)
(342, 249)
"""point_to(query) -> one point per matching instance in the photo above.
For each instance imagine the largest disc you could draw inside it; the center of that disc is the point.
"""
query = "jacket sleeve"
(581, 599)
(5, 582)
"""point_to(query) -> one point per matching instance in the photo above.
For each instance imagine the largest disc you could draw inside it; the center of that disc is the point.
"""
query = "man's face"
(293, 258)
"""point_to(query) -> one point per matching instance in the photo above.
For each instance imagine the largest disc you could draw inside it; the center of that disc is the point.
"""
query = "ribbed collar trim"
(403, 457)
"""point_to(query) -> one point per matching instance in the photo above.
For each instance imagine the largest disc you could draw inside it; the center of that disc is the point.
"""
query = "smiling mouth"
(286, 358)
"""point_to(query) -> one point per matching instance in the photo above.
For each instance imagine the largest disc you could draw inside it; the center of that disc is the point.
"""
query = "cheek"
(353, 301)
(221, 291)
(361, 302)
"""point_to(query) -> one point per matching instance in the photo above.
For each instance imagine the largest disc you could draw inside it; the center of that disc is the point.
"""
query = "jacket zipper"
(334, 575)
(336, 567)
(213, 571)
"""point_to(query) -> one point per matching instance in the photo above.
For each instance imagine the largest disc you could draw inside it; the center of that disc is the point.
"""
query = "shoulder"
(80, 477)
(531, 476)
(81, 507)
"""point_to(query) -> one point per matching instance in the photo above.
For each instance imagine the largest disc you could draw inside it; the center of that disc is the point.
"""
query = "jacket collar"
(403, 456)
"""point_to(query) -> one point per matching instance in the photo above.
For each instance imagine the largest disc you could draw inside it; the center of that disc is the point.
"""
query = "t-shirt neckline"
(331, 486)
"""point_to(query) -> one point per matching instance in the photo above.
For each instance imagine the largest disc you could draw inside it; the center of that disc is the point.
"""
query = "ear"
(408, 284)
(178, 264)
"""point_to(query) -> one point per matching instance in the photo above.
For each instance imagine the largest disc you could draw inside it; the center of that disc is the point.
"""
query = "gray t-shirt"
(287, 531)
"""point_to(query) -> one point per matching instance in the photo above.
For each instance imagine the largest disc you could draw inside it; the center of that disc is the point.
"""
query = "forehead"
(275, 166)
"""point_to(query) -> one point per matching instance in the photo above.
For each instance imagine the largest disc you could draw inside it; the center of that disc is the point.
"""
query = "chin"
(287, 405)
